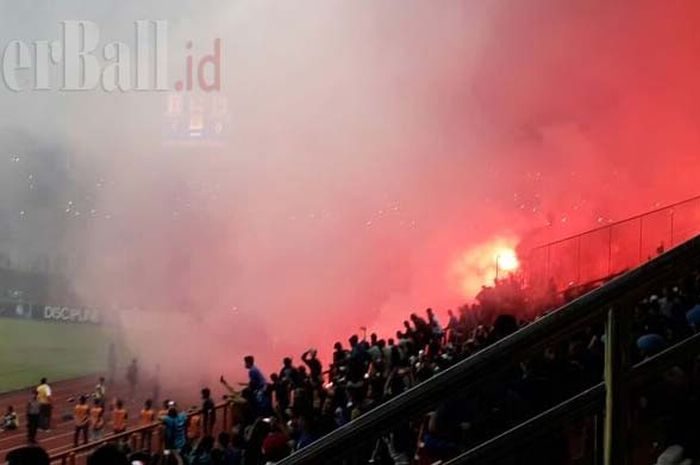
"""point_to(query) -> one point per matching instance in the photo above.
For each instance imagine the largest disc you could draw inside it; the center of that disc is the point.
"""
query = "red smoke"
(373, 149)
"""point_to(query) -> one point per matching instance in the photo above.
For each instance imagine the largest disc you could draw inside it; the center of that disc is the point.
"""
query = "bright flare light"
(477, 266)
(507, 260)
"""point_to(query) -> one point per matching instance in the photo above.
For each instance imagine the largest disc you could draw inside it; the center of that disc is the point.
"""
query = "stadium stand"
(610, 377)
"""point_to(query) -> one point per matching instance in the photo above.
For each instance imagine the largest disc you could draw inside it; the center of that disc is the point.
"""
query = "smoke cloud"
(368, 148)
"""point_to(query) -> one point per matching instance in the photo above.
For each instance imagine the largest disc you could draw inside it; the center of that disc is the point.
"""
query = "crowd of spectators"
(302, 402)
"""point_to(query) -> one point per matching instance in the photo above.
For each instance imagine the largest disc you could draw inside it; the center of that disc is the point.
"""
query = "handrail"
(588, 401)
(477, 369)
(65, 455)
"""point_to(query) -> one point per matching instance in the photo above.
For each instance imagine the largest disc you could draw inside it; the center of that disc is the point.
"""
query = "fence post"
(615, 411)
(596, 438)
(71, 458)
(672, 225)
(641, 241)
(609, 250)
(578, 260)
(158, 440)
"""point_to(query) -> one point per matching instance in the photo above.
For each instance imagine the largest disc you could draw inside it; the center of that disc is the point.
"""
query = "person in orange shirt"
(147, 417)
(81, 415)
(163, 412)
(194, 424)
(97, 421)
(119, 418)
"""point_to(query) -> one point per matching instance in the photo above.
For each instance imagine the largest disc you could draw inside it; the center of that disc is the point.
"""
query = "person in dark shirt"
(33, 415)
(281, 393)
(315, 368)
(289, 375)
(132, 377)
(208, 412)
(339, 355)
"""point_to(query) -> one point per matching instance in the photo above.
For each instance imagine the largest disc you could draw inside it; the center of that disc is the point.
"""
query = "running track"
(60, 438)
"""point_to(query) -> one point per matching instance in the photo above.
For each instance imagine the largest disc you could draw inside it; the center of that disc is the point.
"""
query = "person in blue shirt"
(175, 428)
(256, 380)
(257, 383)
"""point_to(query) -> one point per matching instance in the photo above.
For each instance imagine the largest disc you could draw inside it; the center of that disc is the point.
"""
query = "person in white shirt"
(100, 393)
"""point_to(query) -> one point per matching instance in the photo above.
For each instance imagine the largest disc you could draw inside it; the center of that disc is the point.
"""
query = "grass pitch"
(30, 350)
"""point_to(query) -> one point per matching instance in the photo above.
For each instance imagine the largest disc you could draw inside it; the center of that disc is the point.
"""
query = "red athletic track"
(60, 438)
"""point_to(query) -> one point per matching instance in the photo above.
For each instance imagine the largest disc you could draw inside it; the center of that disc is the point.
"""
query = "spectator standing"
(33, 415)
(100, 392)
(132, 377)
(208, 412)
(310, 358)
(146, 417)
(339, 355)
(175, 429)
(81, 416)
(156, 384)
(43, 392)
(120, 418)
(194, 425)
(112, 362)
(97, 422)
(257, 384)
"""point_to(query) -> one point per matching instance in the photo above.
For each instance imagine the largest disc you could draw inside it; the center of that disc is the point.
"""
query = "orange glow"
(479, 265)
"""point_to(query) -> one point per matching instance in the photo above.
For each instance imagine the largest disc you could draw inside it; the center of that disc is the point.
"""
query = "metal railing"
(476, 371)
(590, 401)
(151, 433)
(608, 303)
(612, 248)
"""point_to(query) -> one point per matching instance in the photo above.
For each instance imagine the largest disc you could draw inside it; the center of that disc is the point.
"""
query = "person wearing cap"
(175, 424)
